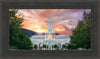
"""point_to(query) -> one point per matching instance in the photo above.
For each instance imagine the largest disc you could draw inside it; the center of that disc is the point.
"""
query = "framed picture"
(51, 29)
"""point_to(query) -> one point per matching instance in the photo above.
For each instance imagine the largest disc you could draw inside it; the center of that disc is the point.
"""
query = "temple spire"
(50, 25)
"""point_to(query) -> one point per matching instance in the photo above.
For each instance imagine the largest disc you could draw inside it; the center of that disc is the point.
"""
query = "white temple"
(50, 38)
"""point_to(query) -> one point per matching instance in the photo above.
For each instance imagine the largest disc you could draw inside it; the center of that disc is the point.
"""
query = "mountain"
(57, 34)
(29, 33)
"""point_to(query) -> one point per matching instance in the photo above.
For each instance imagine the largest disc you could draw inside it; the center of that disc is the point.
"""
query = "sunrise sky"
(63, 20)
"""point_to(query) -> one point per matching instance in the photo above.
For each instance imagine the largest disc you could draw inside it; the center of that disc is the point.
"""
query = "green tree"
(44, 46)
(82, 33)
(17, 40)
(35, 46)
(64, 46)
(56, 46)
(72, 46)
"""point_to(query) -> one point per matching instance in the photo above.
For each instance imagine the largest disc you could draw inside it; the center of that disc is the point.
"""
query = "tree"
(64, 46)
(35, 46)
(17, 40)
(82, 33)
(72, 46)
(44, 46)
(56, 46)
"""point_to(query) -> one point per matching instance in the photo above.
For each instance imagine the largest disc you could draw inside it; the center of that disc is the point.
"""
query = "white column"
(54, 37)
(38, 46)
(45, 37)
(61, 46)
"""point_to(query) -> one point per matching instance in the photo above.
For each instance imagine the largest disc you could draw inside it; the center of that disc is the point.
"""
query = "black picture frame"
(4, 28)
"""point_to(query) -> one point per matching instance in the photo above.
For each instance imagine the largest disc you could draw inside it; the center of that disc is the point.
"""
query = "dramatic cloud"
(63, 20)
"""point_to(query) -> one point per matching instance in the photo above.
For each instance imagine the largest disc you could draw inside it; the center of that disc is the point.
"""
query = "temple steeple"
(50, 25)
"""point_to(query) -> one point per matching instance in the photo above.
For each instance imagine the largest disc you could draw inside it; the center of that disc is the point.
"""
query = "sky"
(63, 20)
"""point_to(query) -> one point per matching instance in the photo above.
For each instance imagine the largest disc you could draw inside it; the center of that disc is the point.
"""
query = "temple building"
(50, 38)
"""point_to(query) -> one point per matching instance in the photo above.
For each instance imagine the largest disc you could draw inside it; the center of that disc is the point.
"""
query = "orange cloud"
(63, 20)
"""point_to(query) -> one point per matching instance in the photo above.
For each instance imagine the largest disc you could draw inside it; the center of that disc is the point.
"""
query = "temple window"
(50, 37)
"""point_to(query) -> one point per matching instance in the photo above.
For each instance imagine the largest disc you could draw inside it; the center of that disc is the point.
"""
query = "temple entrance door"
(49, 46)
(49, 37)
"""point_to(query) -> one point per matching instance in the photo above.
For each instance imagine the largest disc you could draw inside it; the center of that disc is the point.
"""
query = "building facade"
(50, 38)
